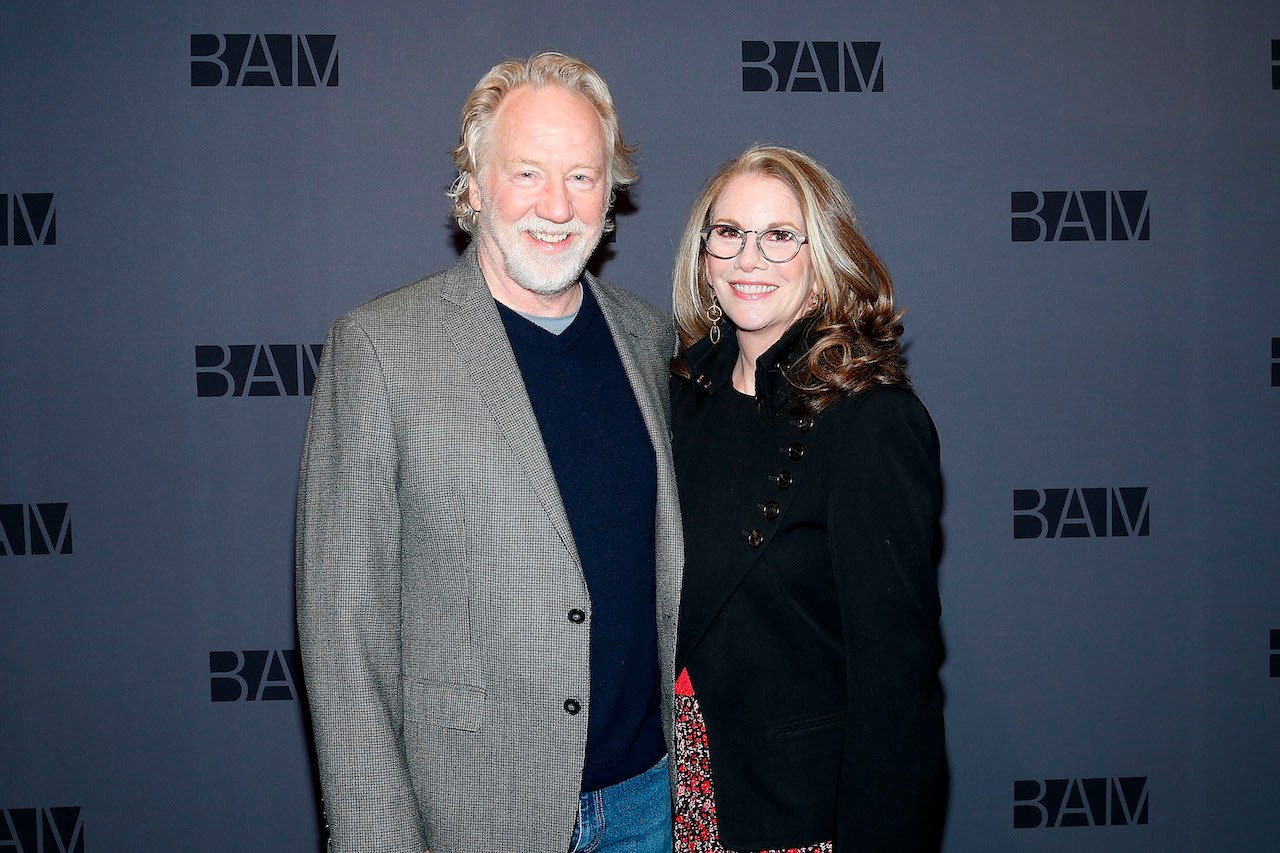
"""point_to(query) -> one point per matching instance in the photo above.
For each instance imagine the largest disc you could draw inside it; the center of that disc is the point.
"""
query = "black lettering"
(757, 74)
(311, 354)
(1027, 226)
(264, 378)
(34, 219)
(1130, 512)
(225, 682)
(50, 528)
(805, 76)
(213, 379)
(1129, 801)
(20, 829)
(207, 67)
(13, 530)
(861, 56)
(313, 52)
(1130, 215)
(1084, 515)
(1028, 521)
(1028, 806)
(260, 67)
(279, 678)
(65, 826)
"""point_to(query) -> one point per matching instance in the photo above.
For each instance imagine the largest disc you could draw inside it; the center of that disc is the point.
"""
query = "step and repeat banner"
(1078, 202)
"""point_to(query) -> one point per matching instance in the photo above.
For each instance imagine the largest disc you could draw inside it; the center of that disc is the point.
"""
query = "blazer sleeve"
(348, 599)
(884, 508)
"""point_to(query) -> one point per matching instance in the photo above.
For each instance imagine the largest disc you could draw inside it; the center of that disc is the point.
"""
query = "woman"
(809, 708)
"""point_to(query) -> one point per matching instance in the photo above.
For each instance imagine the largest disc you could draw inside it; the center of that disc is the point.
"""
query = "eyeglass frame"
(706, 235)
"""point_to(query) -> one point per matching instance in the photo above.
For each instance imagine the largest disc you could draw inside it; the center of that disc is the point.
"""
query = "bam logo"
(1052, 803)
(1275, 362)
(256, 370)
(1275, 653)
(812, 66)
(35, 529)
(1089, 215)
(60, 829)
(1074, 513)
(28, 219)
(283, 59)
(254, 676)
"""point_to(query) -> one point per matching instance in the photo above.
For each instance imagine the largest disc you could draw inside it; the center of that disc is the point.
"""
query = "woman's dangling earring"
(715, 314)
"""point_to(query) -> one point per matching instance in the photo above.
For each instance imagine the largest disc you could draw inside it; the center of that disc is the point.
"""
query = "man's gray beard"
(525, 268)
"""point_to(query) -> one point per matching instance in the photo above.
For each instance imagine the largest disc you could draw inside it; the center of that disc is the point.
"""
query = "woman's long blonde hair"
(854, 343)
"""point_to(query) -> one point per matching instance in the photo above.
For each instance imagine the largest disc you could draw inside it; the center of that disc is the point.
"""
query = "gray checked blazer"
(436, 568)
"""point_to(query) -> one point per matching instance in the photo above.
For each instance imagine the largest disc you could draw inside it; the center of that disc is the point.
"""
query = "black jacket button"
(784, 480)
(805, 423)
(755, 538)
(572, 706)
(576, 616)
(796, 451)
(771, 510)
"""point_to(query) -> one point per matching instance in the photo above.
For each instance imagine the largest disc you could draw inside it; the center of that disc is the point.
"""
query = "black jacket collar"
(711, 365)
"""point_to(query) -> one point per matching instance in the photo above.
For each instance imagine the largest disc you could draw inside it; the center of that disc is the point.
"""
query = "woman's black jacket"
(809, 616)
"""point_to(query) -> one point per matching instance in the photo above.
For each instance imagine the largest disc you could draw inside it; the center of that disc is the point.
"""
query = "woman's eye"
(778, 236)
(727, 231)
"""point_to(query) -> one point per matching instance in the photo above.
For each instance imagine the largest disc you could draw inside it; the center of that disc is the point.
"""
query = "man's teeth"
(755, 288)
(548, 237)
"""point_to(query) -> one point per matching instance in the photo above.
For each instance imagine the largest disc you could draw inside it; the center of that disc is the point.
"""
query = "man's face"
(542, 190)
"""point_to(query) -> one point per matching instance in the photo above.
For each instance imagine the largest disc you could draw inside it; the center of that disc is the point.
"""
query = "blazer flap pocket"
(443, 703)
(810, 723)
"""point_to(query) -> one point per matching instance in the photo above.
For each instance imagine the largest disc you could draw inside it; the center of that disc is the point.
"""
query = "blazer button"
(576, 616)
(703, 382)
(796, 451)
(755, 538)
(805, 423)
(771, 510)
(572, 706)
(784, 480)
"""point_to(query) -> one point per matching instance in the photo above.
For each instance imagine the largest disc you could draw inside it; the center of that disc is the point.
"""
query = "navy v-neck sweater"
(604, 464)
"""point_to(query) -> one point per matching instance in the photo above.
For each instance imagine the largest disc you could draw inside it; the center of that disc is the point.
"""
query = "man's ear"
(473, 191)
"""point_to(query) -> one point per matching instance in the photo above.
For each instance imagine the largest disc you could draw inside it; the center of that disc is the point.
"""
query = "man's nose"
(554, 204)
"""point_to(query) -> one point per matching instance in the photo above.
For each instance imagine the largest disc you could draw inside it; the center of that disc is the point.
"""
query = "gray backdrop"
(1104, 691)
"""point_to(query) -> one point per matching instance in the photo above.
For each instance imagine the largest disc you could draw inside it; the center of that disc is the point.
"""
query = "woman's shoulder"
(889, 402)
(882, 414)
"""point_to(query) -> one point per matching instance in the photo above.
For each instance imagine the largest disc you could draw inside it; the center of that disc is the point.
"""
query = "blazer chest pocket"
(813, 723)
(443, 704)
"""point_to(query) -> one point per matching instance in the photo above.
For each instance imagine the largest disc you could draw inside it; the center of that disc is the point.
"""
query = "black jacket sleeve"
(883, 521)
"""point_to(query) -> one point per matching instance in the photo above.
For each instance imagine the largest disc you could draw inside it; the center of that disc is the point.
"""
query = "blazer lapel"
(643, 381)
(486, 355)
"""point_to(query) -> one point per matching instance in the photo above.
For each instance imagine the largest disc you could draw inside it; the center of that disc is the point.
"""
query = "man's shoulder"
(415, 302)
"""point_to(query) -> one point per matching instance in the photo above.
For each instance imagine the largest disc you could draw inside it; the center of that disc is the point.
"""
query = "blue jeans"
(633, 816)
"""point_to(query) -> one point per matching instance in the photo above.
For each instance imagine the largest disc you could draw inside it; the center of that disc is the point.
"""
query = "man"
(488, 537)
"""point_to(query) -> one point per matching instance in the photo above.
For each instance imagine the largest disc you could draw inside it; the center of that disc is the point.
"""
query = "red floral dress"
(695, 811)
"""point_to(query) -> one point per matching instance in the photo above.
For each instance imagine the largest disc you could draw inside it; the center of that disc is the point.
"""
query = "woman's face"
(761, 297)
